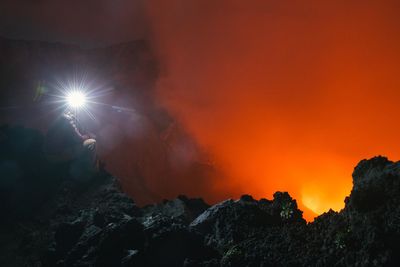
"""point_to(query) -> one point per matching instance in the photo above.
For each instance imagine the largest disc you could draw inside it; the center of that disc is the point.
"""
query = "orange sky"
(285, 95)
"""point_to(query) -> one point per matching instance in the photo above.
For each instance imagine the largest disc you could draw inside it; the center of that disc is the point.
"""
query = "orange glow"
(285, 95)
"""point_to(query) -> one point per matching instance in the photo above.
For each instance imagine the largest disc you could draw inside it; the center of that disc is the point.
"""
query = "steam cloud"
(285, 95)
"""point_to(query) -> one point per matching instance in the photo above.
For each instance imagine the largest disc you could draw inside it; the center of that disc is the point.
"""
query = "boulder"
(184, 208)
(230, 221)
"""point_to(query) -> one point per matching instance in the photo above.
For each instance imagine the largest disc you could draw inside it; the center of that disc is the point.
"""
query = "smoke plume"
(280, 95)
(285, 95)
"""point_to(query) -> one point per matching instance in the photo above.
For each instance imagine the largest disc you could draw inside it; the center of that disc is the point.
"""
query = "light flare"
(76, 99)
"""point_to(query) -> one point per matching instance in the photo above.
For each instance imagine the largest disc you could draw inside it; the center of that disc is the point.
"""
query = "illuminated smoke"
(286, 95)
(283, 95)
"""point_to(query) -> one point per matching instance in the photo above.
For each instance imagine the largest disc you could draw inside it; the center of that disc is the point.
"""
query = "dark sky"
(85, 22)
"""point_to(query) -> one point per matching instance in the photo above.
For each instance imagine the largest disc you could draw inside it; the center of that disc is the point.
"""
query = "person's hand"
(90, 144)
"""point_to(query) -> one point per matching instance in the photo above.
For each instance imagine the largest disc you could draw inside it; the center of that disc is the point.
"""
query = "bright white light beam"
(76, 99)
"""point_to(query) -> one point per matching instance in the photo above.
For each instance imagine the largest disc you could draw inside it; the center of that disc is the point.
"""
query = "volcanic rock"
(68, 222)
(181, 208)
(230, 222)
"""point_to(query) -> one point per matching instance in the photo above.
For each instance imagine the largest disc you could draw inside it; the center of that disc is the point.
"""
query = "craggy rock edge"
(50, 219)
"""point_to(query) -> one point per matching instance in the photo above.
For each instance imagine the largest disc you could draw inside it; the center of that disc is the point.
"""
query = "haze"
(283, 95)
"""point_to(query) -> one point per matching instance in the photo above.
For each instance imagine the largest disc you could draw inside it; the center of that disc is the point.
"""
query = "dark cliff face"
(145, 143)
(51, 219)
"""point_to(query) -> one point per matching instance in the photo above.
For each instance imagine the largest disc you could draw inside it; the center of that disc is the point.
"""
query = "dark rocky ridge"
(48, 219)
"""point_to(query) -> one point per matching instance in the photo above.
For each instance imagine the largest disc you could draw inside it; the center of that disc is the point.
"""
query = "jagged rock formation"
(49, 219)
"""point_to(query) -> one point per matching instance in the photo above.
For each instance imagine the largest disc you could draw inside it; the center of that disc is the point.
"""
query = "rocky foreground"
(49, 219)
